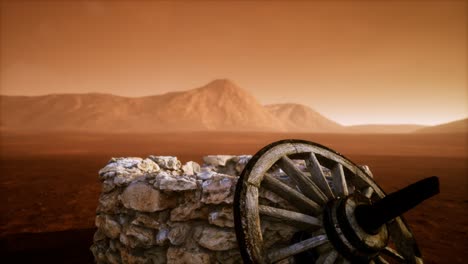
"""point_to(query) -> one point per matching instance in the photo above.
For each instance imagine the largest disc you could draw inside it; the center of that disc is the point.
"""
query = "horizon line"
(277, 103)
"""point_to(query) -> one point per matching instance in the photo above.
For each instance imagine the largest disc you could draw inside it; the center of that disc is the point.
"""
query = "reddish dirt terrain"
(49, 184)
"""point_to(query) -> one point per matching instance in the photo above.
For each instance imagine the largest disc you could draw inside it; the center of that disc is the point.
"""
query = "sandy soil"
(49, 182)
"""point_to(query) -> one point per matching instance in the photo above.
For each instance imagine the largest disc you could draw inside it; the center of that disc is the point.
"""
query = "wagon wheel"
(319, 191)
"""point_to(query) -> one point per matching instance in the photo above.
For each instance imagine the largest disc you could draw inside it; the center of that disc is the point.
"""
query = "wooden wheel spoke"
(339, 181)
(304, 194)
(388, 251)
(305, 184)
(299, 247)
(317, 175)
(296, 198)
(327, 257)
(290, 217)
(368, 192)
(380, 260)
(403, 239)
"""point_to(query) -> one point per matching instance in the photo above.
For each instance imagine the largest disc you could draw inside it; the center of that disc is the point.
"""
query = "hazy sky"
(355, 62)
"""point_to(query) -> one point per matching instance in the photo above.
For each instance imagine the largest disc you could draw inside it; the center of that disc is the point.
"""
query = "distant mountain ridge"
(458, 126)
(383, 129)
(300, 118)
(217, 106)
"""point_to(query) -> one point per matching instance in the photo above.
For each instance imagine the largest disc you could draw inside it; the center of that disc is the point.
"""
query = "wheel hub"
(346, 234)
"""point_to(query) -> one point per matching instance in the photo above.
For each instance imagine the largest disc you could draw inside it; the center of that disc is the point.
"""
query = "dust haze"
(383, 83)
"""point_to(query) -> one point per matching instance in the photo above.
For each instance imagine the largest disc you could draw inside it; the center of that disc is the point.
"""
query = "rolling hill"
(217, 106)
(459, 126)
(383, 129)
(300, 118)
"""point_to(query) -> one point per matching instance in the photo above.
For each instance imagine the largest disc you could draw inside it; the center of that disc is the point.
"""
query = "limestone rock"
(142, 197)
(274, 232)
(217, 239)
(129, 256)
(118, 165)
(162, 236)
(178, 234)
(126, 162)
(177, 255)
(130, 175)
(191, 168)
(242, 162)
(217, 160)
(99, 236)
(222, 217)
(219, 189)
(148, 165)
(109, 202)
(109, 226)
(108, 185)
(232, 256)
(156, 255)
(205, 174)
(113, 257)
(274, 200)
(146, 221)
(188, 211)
(155, 211)
(115, 245)
(99, 250)
(177, 183)
(166, 162)
(136, 236)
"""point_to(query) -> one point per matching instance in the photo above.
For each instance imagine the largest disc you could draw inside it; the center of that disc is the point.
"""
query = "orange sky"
(355, 62)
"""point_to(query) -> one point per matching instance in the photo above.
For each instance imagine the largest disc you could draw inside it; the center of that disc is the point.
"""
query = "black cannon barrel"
(371, 217)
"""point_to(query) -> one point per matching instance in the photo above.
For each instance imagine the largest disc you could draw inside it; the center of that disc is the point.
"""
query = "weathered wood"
(294, 249)
(327, 257)
(266, 161)
(339, 181)
(308, 197)
(252, 224)
(392, 253)
(318, 176)
(304, 204)
(309, 188)
(366, 169)
(403, 239)
(380, 260)
(368, 191)
(290, 217)
(360, 179)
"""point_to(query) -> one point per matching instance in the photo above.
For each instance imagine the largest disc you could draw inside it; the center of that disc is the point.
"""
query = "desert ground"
(49, 184)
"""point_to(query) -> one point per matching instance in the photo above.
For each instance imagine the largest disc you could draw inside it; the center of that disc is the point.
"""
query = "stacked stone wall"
(156, 210)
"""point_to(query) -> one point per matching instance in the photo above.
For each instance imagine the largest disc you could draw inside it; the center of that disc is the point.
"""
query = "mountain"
(300, 118)
(219, 105)
(459, 126)
(383, 129)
